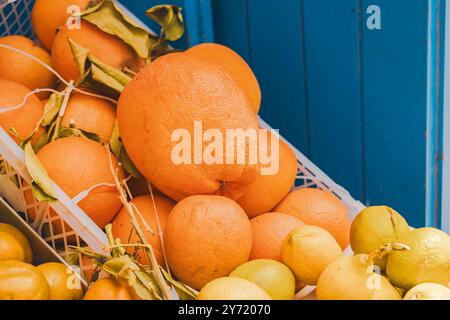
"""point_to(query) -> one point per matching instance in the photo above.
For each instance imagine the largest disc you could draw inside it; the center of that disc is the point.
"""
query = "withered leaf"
(170, 19)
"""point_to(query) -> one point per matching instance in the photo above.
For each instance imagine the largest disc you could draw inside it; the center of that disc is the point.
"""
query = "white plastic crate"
(15, 19)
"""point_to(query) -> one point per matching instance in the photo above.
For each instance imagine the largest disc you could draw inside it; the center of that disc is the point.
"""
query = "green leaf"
(128, 165)
(52, 108)
(40, 195)
(146, 286)
(115, 142)
(75, 132)
(40, 143)
(14, 132)
(110, 19)
(185, 292)
(43, 184)
(170, 19)
(80, 55)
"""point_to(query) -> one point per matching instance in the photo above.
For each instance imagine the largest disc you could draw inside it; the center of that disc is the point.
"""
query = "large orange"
(123, 228)
(206, 238)
(269, 231)
(110, 289)
(77, 164)
(48, 15)
(19, 68)
(90, 114)
(234, 64)
(320, 208)
(109, 49)
(165, 99)
(23, 120)
(268, 190)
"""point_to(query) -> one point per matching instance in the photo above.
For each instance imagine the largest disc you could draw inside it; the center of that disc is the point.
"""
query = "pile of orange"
(202, 219)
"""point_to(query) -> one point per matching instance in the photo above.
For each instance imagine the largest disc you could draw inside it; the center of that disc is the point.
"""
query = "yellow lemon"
(22, 281)
(64, 284)
(375, 227)
(428, 291)
(232, 289)
(308, 250)
(353, 278)
(427, 260)
(20, 237)
(272, 276)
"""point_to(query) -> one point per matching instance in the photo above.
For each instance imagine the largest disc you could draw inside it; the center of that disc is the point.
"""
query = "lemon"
(353, 278)
(22, 281)
(64, 285)
(10, 248)
(308, 250)
(375, 227)
(428, 259)
(232, 289)
(272, 276)
(20, 237)
(428, 291)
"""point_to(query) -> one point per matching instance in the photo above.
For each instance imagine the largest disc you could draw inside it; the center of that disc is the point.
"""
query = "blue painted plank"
(395, 107)
(334, 90)
(198, 15)
(231, 25)
(276, 55)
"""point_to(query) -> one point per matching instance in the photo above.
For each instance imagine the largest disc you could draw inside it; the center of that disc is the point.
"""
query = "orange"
(268, 190)
(320, 208)
(22, 240)
(166, 99)
(206, 238)
(235, 65)
(123, 228)
(90, 114)
(77, 164)
(10, 248)
(64, 284)
(269, 231)
(48, 15)
(19, 68)
(110, 289)
(25, 119)
(22, 281)
(109, 49)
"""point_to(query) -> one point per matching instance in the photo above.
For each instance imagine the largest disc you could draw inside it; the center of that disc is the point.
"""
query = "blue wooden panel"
(198, 15)
(395, 107)
(334, 90)
(231, 25)
(276, 55)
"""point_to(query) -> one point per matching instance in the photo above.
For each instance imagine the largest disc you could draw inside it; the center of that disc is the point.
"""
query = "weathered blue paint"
(365, 105)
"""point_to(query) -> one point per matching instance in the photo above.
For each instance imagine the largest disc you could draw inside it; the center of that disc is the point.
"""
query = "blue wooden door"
(354, 84)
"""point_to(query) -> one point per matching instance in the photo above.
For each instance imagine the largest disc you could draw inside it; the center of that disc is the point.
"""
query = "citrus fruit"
(62, 281)
(272, 276)
(235, 65)
(268, 190)
(48, 15)
(427, 260)
(161, 103)
(20, 237)
(232, 289)
(269, 231)
(353, 278)
(428, 291)
(308, 250)
(78, 164)
(206, 238)
(10, 248)
(151, 225)
(90, 114)
(375, 227)
(23, 120)
(15, 66)
(107, 48)
(22, 281)
(110, 289)
(320, 208)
